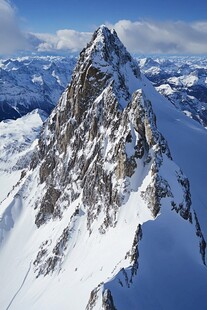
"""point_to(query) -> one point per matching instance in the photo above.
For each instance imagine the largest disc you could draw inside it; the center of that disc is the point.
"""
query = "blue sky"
(145, 27)
(51, 15)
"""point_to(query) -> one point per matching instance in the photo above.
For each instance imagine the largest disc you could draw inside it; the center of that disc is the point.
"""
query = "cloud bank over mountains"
(168, 37)
(143, 36)
(64, 39)
(11, 37)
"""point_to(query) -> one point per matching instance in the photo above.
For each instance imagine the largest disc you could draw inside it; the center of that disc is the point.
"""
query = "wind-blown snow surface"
(96, 255)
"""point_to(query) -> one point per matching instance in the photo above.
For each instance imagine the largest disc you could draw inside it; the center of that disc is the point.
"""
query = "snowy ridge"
(106, 59)
(104, 207)
(17, 146)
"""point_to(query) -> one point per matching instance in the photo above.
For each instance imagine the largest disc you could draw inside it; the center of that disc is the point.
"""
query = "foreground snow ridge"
(104, 218)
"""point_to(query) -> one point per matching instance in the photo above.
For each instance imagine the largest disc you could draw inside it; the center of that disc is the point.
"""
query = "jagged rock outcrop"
(108, 303)
(202, 242)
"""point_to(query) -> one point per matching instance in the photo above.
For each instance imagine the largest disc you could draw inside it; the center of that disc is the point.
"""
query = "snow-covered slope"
(17, 142)
(183, 80)
(32, 82)
(104, 218)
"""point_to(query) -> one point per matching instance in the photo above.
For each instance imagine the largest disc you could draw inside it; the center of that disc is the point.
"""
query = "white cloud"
(11, 38)
(72, 39)
(143, 36)
(65, 39)
(163, 37)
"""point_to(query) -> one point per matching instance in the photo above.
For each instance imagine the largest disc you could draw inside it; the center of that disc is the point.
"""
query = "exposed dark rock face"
(93, 298)
(88, 160)
(45, 262)
(202, 242)
(151, 137)
(135, 251)
(134, 256)
(47, 206)
(184, 208)
(154, 192)
(107, 300)
(73, 150)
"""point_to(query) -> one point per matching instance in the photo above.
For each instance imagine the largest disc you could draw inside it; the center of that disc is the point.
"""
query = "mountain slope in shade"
(104, 218)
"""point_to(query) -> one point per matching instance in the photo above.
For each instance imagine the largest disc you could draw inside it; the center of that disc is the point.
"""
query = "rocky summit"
(104, 217)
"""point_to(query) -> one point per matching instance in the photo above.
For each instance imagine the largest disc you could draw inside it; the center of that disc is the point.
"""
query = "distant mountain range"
(29, 83)
(34, 82)
(183, 80)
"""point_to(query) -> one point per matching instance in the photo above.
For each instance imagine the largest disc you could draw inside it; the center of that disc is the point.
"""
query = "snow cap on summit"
(106, 61)
(104, 34)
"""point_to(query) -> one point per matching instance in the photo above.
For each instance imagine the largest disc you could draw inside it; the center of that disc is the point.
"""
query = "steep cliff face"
(101, 170)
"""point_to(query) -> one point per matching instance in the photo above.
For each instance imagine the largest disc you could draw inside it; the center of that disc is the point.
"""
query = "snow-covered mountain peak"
(105, 60)
(106, 39)
(101, 182)
(95, 154)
